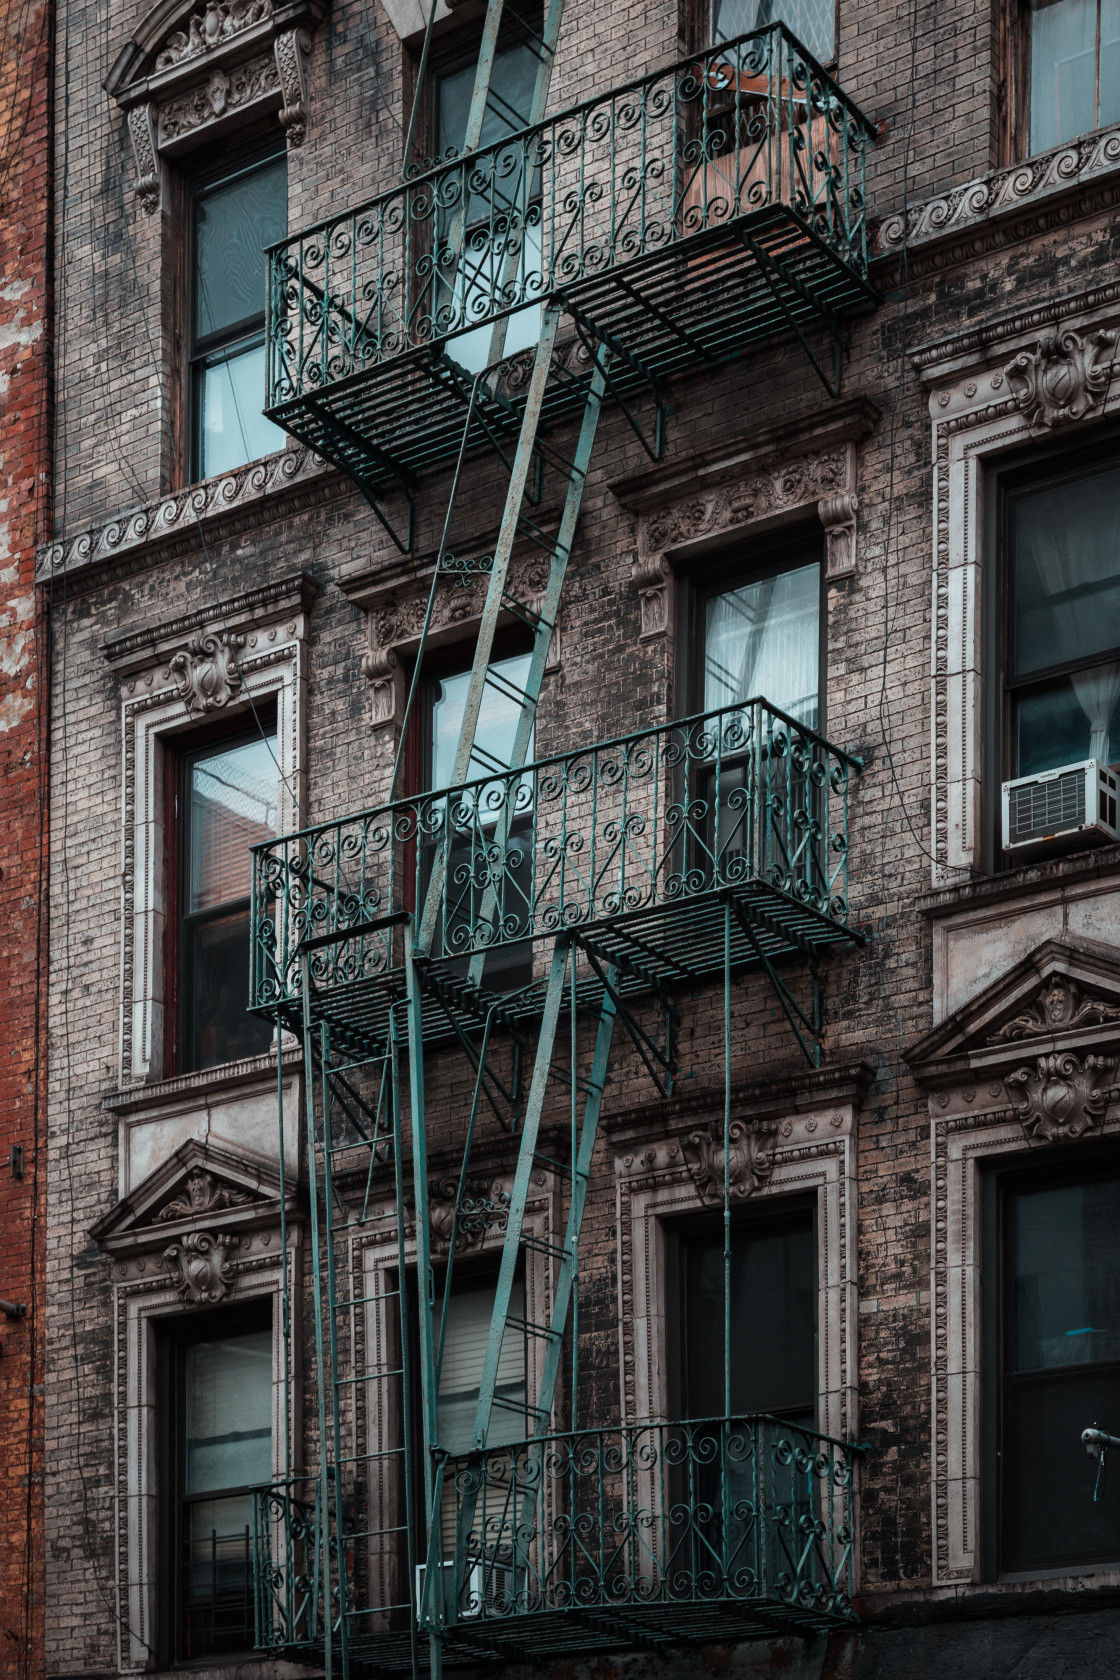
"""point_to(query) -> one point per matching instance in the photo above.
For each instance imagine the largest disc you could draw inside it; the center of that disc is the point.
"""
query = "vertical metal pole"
(285, 1281)
(428, 1389)
(323, 1502)
(541, 1426)
(407, 1432)
(727, 1158)
(332, 1344)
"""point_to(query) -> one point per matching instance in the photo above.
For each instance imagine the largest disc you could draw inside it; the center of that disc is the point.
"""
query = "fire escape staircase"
(665, 226)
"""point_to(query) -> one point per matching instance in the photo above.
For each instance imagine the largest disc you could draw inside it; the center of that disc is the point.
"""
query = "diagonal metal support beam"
(777, 277)
(793, 1011)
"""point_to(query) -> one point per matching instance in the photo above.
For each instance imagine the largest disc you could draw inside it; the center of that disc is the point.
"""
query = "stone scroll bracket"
(750, 485)
(201, 68)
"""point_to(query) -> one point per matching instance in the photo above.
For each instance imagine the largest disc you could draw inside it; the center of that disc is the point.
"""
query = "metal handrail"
(690, 148)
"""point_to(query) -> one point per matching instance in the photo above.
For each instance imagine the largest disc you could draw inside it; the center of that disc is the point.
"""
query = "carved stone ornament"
(142, 133)
(203, 1195)
(1061, 1096)
(207, 28)
(200, 1266)
(838, 516)
(484, 1208)
(206, 672)
(1059, 1007)
(750, 1158)
(1065, 378)
(292, 50)
(217, 95)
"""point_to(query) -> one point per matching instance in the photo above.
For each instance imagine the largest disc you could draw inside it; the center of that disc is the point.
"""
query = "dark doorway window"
(237, 208)
(1052, 1294)
(772, 1316)
(1061, 664)
(216, 1407)
(477, 815)
(227, 802)
(1072, 63)
(812, 21)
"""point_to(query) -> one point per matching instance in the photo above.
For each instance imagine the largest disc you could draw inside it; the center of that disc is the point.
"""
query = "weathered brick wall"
(932, 86)
(25, 64)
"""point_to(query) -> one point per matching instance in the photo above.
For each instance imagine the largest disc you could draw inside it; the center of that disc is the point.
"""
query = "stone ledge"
(1005, 206)
(253, 496)
(128, 1099)
(990, 889)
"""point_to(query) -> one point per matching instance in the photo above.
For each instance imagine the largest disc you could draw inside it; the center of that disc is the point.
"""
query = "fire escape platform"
(657, 854)
(711, 206)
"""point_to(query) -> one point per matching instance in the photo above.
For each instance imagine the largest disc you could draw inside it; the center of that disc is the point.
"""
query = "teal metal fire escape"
(662, 227)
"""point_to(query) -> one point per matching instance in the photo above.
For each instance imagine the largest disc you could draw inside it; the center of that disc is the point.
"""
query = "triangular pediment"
(1064, 994)
(200, 1185)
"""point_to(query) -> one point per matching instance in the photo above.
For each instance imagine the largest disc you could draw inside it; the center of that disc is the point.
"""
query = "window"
(1071, 60)
(1052, 1352)
(477, 820)
(812, 21)
(762, 639)
(215, 1372)
(772, 1316)
(227, 802)
(235, 211)
(503, 218)
(1061, 654)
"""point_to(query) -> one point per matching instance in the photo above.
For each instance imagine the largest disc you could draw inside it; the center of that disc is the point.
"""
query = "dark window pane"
(1049, 1515)
(1064, 721)
(764, 639)
(507, 106)
(233, 224)
(1066, 1276)
(812, 21)
(497, 720)
(773, 1320)
(233, 805)
(1063, 70)
(221, 1028)
(1066, 573)
(228, 1412)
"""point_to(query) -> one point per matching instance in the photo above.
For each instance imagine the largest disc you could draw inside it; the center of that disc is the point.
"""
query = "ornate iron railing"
(644, 174)
(744, 802)
(659, 1517)
(286, 1566)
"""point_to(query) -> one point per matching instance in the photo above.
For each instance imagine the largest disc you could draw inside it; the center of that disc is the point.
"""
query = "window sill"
(1102, 861)
(1074, 180)
(254, 1070)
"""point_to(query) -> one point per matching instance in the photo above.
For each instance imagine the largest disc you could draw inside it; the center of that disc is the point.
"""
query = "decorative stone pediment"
(1062, 997)
(771, 476)
(195, 68)
(199, 1191)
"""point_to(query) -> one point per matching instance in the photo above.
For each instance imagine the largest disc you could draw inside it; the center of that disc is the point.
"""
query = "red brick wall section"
(25, 100)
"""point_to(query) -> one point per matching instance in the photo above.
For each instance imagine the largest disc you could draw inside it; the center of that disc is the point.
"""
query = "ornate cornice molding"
(216, 509)
(1005, 206)
(991, 340)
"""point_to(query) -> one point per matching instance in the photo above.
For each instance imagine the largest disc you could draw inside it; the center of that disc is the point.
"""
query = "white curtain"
(1067, 563)
(764, 639)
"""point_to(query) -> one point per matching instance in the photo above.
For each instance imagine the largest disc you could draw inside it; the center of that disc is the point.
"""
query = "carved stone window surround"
(372, 1263)
(1031, 1062)
(394, 602)
(657, 1182)
(979, 413)
(750, 485)
(197, 68)
(147, 1291)
(158, 704)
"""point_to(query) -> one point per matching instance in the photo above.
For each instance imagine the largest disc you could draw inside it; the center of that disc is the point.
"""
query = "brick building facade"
(234, 612)
(25, 458)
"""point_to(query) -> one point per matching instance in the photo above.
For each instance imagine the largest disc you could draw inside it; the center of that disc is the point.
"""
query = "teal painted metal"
(679, 220)
(635, 843)
(708, 1530)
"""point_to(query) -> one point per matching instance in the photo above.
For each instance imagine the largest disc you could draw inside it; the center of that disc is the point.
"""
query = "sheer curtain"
(764, 639)
(1067, 576)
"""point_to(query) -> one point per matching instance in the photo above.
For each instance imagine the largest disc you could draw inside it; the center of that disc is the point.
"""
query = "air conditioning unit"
(1074, 799)
(486, 1582)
